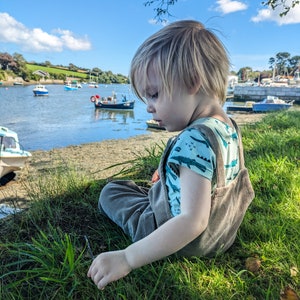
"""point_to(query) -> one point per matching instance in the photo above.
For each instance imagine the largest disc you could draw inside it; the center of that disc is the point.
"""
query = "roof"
(41, 73)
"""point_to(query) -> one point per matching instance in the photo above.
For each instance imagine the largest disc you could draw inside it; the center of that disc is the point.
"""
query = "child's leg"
(128, 206)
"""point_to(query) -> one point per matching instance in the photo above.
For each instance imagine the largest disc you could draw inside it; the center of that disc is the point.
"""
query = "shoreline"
(10, 83)
(90, 159)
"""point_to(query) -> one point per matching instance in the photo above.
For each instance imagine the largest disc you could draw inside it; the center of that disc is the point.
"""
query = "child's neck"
(209, 107)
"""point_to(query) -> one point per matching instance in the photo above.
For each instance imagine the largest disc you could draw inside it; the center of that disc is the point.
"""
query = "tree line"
(283, 64)
(16, 66)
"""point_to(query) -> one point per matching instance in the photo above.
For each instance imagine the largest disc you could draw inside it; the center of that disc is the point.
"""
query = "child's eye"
(150, 97)
(154, 96)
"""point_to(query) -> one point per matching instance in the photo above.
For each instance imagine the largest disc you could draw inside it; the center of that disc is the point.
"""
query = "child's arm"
(165, 240)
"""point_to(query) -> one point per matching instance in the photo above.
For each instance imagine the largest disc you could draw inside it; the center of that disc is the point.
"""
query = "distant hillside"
(82, 75)
(57, 70)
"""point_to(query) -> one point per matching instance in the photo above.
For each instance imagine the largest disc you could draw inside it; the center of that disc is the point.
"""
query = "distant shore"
(7, 83)
(91, 159)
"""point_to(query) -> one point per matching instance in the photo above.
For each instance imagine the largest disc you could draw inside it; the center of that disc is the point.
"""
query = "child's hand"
(108, 267)
(155, 176)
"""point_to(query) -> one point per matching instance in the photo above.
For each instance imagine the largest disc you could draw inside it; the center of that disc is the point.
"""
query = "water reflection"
(113, 115)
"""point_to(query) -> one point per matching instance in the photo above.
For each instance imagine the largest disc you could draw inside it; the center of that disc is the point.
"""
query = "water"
(68, 117)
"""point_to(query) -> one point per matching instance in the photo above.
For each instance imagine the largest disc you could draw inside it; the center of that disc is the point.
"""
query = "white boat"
(40, 90)
(93, 84)
(12, 157)
(271, 103)
(246, 107)
(18, 83)
(152, 124)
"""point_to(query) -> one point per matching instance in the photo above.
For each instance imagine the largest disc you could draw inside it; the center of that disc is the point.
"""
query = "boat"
(112, 102)
(247, 107)
(74, 83)
(93, 84)
(270, 104)
(70, 87)
(40, 90)
(152, 124)
(18, 83)
(12, 157)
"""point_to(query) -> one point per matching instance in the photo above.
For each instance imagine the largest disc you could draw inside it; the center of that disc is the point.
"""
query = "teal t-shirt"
(193, 151)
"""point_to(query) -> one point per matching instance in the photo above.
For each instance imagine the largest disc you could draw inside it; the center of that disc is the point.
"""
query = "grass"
(62, 71)
(44, 253)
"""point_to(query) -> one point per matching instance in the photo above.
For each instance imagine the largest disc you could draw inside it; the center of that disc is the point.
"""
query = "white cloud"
(268, 14)
(152, 21)
(37, 40)
(227, 6)
(73, 43)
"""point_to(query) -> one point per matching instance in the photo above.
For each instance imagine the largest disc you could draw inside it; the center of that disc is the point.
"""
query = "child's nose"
(150, 108)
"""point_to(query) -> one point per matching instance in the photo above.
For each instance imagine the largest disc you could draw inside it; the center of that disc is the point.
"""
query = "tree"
(96, 71)
(7, 62)
(19, 59)
(162, 7)
(72, 67)
(284, 64)
(294, 64)
(282, 59)
(47, 63)
(21, 69)
(272, 63)
(244, 73)
(285, 8)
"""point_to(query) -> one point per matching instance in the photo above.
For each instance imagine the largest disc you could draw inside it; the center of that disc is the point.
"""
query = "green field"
(53, 70)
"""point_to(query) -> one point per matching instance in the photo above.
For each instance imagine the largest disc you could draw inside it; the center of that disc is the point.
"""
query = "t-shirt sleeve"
(193, 151)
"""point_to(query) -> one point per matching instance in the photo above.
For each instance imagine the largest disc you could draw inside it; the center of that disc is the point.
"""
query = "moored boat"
(270, 104)
(112, 102)
(40, 90)
(12, 157)
(18, 83)
(247, 107)
(93, 84)
(70, 87)
(152, 124)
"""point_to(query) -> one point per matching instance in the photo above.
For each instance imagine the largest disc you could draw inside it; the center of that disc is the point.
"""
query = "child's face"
(173, 112)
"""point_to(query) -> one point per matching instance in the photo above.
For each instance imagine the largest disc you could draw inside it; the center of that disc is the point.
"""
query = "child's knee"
(110, 192)
(103, 198)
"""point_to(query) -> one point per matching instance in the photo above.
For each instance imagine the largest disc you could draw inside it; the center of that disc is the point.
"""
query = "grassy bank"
(45, 255)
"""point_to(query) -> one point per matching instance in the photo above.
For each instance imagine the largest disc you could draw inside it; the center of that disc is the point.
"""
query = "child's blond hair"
(183, 54)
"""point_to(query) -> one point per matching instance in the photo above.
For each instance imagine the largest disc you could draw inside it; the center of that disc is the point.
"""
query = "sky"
(105, 34)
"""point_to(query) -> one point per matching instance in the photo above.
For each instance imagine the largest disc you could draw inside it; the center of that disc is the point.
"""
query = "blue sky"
(106, 34)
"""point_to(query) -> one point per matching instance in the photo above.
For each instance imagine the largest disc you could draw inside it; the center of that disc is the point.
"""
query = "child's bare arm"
(167, 239)
(180, 230)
